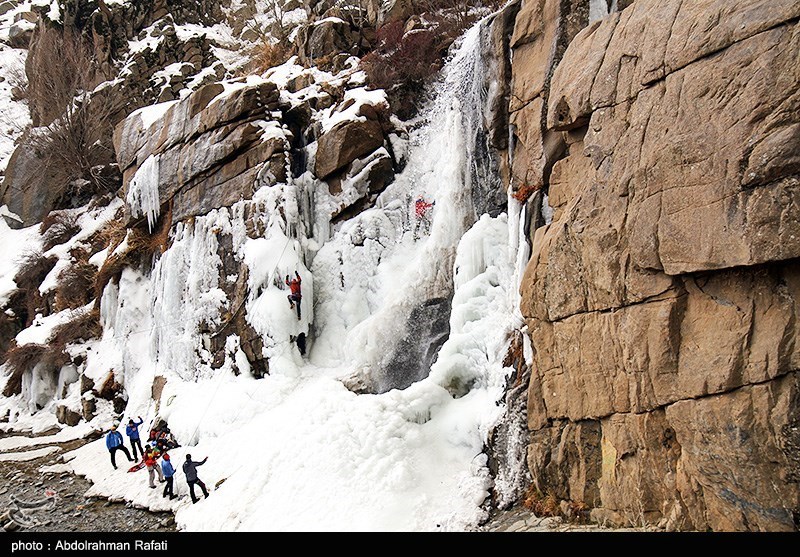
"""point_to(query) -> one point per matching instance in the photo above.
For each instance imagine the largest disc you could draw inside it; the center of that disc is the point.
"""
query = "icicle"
(143, 196)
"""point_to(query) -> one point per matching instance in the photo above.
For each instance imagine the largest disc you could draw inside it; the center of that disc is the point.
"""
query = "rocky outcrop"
(427, 329)
(323, 39)
(662, 299)
(210, 150)
(344, 143)
(542, 31)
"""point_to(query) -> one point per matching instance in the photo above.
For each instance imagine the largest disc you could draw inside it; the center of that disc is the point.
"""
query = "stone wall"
(662, 298)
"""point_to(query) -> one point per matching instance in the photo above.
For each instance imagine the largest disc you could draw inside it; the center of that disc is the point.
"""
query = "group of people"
(159, 441)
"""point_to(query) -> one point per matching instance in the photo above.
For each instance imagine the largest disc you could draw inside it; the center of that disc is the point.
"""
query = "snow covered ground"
(297, 450)
(28, 455)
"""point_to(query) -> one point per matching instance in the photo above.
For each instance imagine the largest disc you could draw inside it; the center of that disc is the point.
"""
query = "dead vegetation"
(75, 285)
(83, 327)
(141, 247)
(58, 227)
(266, 55)
(73, 123)
(543, 505)
(20, 359)
(524, 192)
(53, 355)
(34, 266)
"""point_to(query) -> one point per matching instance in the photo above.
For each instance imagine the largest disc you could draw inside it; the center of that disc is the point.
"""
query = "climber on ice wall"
(295, 297)
(422, 213)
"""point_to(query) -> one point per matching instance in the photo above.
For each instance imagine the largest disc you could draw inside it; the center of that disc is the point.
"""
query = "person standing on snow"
(421, 212)
(114, 444)
(190, 469)
(151, 455)
(132, 431)
(296, 296)
(169, 472)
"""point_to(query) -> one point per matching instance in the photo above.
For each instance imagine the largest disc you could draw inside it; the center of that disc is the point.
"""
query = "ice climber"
(190, 469)
(132, 431)
(114, 444)
(169, 472)
(421, 212)
(151, 456)
(295, 297)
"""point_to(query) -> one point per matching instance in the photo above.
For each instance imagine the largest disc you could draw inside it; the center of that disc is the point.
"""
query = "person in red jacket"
(296, 296)
(422, 213)
(151, 455)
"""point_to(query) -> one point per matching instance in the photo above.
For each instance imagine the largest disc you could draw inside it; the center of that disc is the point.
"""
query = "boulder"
(88, 406)
(86, 384)
(212, 149)
(344, 143)
(66, 416)
(27, 186)
(395, 10)
(6, 6)
(323, 39)
(20, 33)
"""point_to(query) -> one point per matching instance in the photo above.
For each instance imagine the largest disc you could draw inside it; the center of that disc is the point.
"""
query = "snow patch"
(28, 455)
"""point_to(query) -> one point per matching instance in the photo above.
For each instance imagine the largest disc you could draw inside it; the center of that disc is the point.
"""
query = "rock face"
(210, 149)
(322, 39)
(344, 143)
(426, 330)
(662, 299)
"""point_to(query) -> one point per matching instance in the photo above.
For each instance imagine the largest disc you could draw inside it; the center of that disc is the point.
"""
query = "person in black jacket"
(190, 469)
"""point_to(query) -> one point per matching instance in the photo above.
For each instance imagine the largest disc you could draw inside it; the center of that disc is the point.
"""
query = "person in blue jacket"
(132, 431)
(114, 444)
(169, 471)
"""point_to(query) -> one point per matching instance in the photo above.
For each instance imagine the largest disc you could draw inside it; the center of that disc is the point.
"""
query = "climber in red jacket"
(295, 297)
(422, 214)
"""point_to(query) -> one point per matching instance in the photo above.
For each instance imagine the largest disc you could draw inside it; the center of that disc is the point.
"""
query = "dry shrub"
(74, 127)
(402, 62)
(142, 246)
(20, 359)
(58, 227)
(549, 505)
(402, 59)
(84, 327)
(523, 193)
(268, 55)
(540, 505)
(33, 268)
(75, 286)
(110, 235)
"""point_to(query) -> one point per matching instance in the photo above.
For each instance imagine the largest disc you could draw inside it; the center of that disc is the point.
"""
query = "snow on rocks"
(28, 455)
(67, 434)
(324, 457)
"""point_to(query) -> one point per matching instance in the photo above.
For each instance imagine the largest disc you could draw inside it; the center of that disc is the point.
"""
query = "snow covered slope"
(298, 449)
